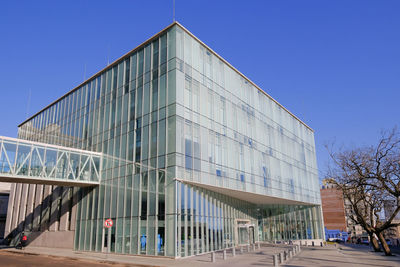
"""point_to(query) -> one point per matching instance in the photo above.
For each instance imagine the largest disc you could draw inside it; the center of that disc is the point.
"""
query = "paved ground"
(262, 256)
(17, 259)
(259, 257)
(342, 255)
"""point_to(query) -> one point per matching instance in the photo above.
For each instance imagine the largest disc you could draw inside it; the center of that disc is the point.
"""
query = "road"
(8, 258)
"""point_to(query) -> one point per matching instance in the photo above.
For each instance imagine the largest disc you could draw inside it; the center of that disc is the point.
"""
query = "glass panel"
(36, 168)
(9, 153)
(22, 163)
(50, 163)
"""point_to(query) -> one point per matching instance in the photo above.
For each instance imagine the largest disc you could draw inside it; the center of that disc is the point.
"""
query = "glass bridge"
(23, 161)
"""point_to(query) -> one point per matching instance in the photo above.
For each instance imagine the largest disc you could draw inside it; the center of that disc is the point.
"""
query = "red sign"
(108, 223)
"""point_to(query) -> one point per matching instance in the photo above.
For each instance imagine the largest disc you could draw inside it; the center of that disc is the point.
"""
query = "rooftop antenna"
(84, 73)
(108, 54)
(173, 11)
(28, 103)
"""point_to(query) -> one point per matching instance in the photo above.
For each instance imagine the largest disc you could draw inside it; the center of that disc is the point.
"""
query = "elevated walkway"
(23, 161)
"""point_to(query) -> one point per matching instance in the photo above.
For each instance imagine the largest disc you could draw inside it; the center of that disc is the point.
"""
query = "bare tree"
(370, 177)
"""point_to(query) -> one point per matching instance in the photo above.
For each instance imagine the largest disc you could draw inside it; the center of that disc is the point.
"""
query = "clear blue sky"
(335, 64)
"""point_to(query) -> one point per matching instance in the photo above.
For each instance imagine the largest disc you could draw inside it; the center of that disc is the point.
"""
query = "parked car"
(364, 240)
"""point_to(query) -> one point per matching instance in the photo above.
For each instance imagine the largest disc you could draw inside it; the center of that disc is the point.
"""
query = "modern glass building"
(198, 159)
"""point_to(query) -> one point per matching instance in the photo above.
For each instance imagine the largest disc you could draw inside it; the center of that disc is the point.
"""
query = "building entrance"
(244, 232)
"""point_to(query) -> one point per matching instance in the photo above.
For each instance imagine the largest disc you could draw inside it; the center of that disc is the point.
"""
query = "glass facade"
(230, 134)
(178, 122)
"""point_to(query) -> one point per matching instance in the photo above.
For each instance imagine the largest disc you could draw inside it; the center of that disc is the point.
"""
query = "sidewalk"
(259, 257)
(100, 257)
(343, 255)
(262, 256)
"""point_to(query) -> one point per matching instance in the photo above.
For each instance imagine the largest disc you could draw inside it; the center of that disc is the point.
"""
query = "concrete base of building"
(59, 239)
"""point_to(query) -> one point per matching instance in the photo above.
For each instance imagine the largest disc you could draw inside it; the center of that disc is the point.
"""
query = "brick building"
(333, 208)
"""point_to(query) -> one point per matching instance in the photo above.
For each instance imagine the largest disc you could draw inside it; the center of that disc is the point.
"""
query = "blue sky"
(334, 64)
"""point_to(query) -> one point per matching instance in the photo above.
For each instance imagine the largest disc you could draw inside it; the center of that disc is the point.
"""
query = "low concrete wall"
(308, 242)
(59, 239)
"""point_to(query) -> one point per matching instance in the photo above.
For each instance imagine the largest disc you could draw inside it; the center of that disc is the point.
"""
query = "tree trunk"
(374, 243)
(385, 246)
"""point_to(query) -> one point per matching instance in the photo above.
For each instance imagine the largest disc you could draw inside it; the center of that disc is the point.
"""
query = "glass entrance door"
(243, 235)
(251, 234)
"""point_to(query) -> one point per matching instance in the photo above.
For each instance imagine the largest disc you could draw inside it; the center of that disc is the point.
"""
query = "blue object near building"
(159, 242)
(334, 235)
(143, 240)
(309, 233)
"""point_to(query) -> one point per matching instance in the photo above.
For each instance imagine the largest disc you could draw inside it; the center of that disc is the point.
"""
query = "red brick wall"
(333, 209)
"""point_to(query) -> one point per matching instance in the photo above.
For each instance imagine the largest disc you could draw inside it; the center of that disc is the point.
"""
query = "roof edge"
(115, 62)
(241, 74)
